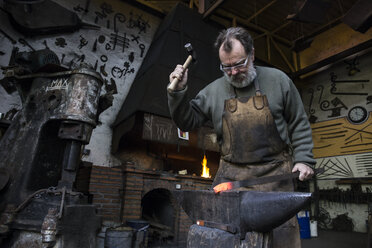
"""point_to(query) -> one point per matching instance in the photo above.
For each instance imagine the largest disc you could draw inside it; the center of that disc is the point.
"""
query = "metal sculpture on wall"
(352, 66)
(119, 39)
(337, 104)
(341, 119)
(335, 167)
(346, 92)
(340, 136)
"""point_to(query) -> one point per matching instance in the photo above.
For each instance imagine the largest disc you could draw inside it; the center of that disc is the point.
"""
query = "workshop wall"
(116, 50)
(339, 105)
(338, 101)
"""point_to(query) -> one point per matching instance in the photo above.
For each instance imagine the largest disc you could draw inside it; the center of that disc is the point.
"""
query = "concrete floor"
(333, 239)
(325, 239)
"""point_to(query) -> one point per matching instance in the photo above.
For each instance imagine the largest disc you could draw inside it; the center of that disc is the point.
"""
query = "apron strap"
(256, 86)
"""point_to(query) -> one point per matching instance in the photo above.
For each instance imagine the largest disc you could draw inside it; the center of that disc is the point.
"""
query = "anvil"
(245, 210)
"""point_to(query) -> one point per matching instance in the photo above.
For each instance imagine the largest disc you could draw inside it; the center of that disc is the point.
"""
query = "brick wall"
(106, 186)
(117, 192)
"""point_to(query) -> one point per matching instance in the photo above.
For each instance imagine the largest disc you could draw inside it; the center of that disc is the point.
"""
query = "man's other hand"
(305, 171)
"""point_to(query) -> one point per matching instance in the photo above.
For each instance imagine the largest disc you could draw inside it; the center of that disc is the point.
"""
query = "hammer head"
(190, 51)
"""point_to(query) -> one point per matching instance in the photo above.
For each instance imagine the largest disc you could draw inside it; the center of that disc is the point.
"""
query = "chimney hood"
(148, 92)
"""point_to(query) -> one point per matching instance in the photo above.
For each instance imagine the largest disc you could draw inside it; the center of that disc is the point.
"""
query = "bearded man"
(259, 119)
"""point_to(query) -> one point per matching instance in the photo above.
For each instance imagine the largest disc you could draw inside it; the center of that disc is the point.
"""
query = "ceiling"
(267, 17)
(282, 25)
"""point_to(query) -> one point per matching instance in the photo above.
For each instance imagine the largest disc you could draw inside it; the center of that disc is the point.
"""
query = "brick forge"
(126, 193)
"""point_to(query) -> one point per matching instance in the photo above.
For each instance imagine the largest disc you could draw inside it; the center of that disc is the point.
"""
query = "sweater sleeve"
(187, 115)
(299, 130)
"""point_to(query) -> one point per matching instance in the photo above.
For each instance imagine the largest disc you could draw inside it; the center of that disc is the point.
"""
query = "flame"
(205, 172)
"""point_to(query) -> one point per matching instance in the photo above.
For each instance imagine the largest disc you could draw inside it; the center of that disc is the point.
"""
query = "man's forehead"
(234, 57)
(234, 45)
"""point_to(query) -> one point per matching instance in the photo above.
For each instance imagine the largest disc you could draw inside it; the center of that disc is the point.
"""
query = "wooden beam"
(271, 33)
(191, 4)
(268, 48)
(295, 61)
(221, 20)
(337, 57)
(227, 23)
(229, 15)
(234, 22)
(331, 42)
(260, 11)
(281, 27)
(210, 9)
(201, 7)
(260, 36)
(282, 55)
(323, 28)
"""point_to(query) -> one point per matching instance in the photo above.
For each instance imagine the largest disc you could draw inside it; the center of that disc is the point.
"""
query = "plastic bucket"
(100, 239)
(304, 222)
(120, 237)
(313, 228)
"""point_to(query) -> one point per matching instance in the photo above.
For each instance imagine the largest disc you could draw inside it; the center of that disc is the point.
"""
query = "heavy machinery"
(41, 152)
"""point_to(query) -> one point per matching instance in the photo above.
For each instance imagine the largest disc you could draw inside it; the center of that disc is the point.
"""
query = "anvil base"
(205, 237)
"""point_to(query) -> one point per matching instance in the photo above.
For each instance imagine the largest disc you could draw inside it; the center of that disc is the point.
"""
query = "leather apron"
(252, 147)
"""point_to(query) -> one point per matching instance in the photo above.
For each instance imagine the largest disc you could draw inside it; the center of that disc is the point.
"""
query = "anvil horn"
(247, 210)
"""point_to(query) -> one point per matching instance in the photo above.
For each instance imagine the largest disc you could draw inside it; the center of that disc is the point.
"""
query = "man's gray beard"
(242, 80)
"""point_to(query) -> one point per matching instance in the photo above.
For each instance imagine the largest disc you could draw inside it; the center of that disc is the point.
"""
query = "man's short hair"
(238, 33)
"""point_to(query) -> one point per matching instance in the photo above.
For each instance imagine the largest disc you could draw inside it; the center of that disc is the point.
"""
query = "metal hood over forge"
(149, 89)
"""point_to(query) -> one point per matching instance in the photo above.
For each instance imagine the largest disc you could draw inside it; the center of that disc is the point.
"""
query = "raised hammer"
(172, 86)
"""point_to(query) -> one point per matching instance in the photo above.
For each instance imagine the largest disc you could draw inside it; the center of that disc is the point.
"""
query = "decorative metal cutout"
(335, 82)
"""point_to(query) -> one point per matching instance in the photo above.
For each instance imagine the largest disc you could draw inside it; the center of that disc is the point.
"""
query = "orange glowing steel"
(222, 187)
(205, 172)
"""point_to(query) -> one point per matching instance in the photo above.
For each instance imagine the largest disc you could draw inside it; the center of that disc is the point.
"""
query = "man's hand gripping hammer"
(172, 86)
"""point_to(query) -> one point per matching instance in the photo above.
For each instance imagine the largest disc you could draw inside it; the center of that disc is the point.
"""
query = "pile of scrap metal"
(41, 153)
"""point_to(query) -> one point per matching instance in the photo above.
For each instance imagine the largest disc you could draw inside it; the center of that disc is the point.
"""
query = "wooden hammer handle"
(172, 86)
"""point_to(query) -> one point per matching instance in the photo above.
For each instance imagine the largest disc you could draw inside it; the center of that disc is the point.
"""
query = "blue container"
(304, 222)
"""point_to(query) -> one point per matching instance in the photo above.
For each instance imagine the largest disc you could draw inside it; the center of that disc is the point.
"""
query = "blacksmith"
(259, 119)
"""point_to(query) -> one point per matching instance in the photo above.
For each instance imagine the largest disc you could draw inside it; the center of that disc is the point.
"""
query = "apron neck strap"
(256, 86)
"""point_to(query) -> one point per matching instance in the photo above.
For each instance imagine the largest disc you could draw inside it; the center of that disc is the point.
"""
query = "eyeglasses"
(237, 66)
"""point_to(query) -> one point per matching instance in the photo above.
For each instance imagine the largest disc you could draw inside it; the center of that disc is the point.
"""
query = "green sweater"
(284, 100)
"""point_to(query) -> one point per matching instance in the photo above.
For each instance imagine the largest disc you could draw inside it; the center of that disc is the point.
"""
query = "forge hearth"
(126, 193)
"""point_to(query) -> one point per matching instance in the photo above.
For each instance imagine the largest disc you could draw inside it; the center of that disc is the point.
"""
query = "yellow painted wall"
(332, 42)
(340, 137)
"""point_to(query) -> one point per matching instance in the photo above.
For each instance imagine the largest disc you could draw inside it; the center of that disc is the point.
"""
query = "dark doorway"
(158, 210)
